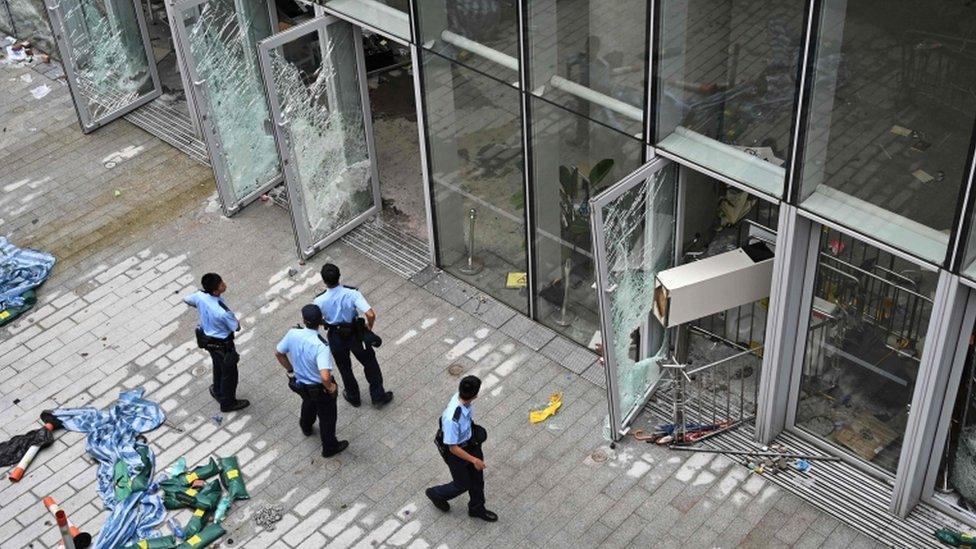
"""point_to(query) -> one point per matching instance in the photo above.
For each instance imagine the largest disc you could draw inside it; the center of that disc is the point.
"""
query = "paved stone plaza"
(134, 224)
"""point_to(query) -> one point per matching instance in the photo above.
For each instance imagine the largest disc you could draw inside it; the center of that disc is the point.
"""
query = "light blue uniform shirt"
(307, 353)
(341, 305)
(216, 319)
(456, 431)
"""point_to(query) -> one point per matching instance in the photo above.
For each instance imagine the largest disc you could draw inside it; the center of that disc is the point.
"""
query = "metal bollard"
(473, 265)
(565, 319)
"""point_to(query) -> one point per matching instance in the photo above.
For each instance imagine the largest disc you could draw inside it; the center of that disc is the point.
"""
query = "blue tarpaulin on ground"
(20, 270)
(112, 437)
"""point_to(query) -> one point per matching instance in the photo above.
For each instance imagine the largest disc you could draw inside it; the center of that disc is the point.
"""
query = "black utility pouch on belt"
(206, 342)
(439, 441)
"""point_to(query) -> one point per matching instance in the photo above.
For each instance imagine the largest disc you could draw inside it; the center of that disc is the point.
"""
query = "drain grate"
(172, 126)
(400, 252)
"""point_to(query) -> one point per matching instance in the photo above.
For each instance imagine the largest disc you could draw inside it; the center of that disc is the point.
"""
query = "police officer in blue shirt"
(459, 442)
(341, 307)
(306, 358)
(215, 333)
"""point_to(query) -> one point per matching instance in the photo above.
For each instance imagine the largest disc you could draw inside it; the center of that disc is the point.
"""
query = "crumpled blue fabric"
(112, 436)
(20, 270)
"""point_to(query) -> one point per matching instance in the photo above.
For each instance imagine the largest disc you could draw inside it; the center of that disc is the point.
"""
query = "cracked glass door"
(315, 78)
(107, 57)
(633, 227)
(218, 40)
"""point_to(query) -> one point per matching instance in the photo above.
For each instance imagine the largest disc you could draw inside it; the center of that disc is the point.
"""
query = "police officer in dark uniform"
(215, 333)
(348, 333)
(306, 358)
(459, 442)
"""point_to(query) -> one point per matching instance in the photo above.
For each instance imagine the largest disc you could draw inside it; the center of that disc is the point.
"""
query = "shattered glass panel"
(222, 46)
(638, 229)
(107, 54)
(318, 95)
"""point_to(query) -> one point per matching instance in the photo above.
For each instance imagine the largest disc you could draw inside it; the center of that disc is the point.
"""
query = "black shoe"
(343, 444)
(355, 402)
(213, 394)
(438, 502)
(307, 433)
(238, 404)
(483, 514)
(383, 400)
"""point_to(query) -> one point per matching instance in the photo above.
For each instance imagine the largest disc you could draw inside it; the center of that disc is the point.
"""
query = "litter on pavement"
(21, 272)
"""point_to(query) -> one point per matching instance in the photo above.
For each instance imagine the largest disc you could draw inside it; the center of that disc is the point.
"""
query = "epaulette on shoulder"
(457, 413)
(350, 287)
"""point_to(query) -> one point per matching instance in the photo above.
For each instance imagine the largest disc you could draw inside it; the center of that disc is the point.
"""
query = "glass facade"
(726, 85)
(580, 45)
(573, 159)
(390, 16)
(890, 119)
(476, 169)
(881, 144)
(482, 35)
(868, 322)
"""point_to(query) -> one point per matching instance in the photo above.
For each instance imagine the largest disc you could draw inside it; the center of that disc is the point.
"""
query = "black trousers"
(319, 403)
(341, 348)
(225, 361)
(464, 477)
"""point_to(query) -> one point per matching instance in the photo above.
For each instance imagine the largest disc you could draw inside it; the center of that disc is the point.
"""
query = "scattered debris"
(292, 271)
(555, 402)
(22, 271)
(40, 91)
(268, 516)
(754, 453)
(26, 78)
(217, 419)
(117, 193)
(955, 538)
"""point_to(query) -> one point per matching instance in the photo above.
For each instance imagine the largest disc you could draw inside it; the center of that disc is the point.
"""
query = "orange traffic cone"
(79, 539)
(29, 455)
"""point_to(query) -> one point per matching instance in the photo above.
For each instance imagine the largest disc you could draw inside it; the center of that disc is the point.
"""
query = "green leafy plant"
(575, 192)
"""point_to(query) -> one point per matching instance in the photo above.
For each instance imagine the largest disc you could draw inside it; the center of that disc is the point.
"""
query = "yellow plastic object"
(555, 402)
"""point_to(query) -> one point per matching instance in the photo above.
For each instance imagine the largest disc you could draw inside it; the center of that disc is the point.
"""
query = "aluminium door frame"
(795, 367)
(954, 373)
(201, 104)
(619, 419)
(85, 119)
(305, 245)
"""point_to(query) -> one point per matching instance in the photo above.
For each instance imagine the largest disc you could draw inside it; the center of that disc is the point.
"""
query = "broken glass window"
(107, 53)
(317, 91)
(222, 46)
(638, 229)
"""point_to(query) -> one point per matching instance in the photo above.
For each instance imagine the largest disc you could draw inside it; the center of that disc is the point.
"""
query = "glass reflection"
(891, 117)
(727, 83)
(573, 159)
(591, 59)
(391, 16)
(482, 34)
(474, 135)
(868, 324)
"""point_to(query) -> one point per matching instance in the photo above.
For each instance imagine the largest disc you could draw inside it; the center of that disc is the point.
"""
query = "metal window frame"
(933, 400)
(228, 202)
(962, 231)
(371, 28)
(87, 122)
(528, 209)
(303, 236)
(786, 314)
(619, 418)
(800, 335)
